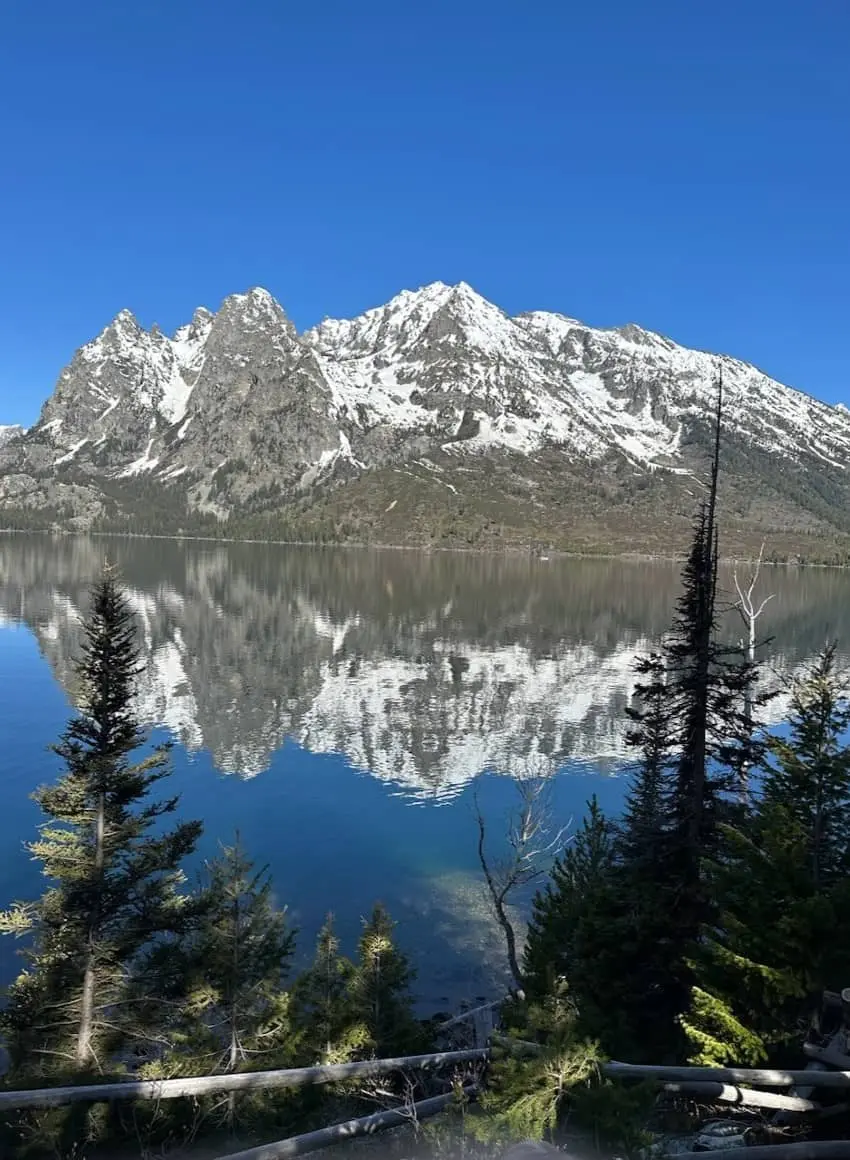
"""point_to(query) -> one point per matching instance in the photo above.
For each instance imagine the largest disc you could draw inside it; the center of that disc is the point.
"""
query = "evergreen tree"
(379, 988)
(530, 1088)
(331, 1030)
(782, 889)
(115, 878)
(810, 774)
(643, 826)
(694, 728)
(242, 952)
(573, 937)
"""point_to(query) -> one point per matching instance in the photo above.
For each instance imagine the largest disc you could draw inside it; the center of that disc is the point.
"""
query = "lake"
(342, 709)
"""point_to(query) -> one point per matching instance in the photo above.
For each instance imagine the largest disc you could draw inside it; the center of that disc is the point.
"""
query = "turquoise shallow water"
(342, 710)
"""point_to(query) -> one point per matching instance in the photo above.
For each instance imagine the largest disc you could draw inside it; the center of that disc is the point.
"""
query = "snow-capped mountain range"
(237, 414)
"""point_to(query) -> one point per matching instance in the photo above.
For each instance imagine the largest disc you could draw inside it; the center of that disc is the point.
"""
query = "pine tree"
(530, 1089)
(810, 773)
(783, 930)
(695, 730)
(573, 936)
(242, 953)
(331, 1030)
(643, 826)
(379, 988)
(115, 875)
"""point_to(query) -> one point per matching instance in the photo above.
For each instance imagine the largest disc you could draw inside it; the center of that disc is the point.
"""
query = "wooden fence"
(828, 1068)
(172, 1089)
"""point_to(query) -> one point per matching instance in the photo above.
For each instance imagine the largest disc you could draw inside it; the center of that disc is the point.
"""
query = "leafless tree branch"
(531, 847)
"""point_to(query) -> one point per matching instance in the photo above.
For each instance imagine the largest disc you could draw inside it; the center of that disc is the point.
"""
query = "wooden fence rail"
(335, 1133)
(172, 1089)
(803, 1150)
(725, 1093)
(728, 1075)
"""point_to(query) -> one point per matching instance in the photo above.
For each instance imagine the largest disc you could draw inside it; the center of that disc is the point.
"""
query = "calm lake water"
(340, 709)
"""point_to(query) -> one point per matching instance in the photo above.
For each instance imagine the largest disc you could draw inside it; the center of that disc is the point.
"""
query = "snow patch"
(69, 455)
(144, 463)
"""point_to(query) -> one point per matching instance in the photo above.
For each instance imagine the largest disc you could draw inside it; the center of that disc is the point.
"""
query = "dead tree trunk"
(749, 609)
(83, 1053)
(530, 850)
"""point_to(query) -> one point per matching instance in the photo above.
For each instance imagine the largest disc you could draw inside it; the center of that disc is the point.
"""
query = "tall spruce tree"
(782, 888)
(115, 877)
(695, 732)
(692, 726)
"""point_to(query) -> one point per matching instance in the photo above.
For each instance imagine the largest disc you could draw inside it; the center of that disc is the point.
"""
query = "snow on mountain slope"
(544, 377)
(238, 413)
(10, 432)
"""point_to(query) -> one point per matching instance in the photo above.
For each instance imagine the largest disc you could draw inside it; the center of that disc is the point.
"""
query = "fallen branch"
(517, 1047)
(470, 1014)
(803, 1150)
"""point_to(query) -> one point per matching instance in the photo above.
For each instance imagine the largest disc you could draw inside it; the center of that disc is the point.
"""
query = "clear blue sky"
(678, 163)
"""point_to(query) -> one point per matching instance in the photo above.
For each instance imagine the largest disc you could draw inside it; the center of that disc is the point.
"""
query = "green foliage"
(331, 1031)
(529, 1093)
(717, 1037)
(352, 1010)
(782, 891)
(379, 989)
(810, 773)
(573, 934)
(241, 954)
(115, 881)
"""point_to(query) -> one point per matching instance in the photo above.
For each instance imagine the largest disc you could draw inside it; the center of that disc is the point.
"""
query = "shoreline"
(633, 556)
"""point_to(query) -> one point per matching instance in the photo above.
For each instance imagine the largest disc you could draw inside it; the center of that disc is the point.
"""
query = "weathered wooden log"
(745, 1097)
(732, 1075)
(335, 1133)
(172, 1089)
(829, 1055)
(800, 1150)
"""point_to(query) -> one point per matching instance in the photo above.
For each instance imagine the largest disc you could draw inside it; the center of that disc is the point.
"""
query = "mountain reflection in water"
(421, 670)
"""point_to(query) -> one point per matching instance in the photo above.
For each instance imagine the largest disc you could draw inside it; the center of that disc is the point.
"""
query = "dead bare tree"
(748, 608)
(531, 845)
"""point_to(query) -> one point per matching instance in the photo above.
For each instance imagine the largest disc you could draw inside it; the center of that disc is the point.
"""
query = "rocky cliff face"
(237, 414)
(10, 432)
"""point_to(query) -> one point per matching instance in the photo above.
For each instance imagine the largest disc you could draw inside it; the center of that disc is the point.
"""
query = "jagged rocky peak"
(9, 432)
(466, 318)
(407, 318)
(198, 328)
(256, 309)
